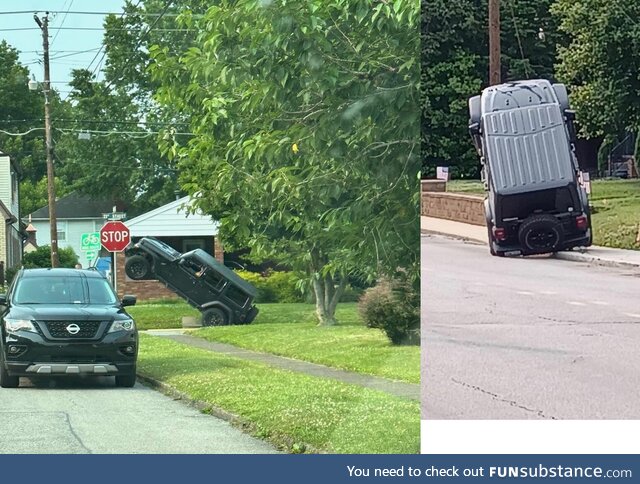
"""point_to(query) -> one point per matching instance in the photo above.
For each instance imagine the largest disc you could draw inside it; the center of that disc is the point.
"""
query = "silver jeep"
(524, 133)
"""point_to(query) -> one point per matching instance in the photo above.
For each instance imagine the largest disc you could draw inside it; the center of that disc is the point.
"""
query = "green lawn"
(616, 217)
(294, 411)
(290, 330)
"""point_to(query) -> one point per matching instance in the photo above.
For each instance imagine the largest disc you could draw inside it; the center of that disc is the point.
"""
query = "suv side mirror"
(128, 300)
(3, 299)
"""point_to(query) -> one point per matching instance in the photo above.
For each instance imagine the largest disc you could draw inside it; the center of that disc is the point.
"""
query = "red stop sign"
(115, 236)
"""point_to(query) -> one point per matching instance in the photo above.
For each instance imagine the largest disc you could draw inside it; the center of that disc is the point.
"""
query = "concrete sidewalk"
(393, 387)
(603, 256)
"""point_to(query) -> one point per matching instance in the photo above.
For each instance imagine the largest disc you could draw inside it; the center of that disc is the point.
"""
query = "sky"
(62, 42)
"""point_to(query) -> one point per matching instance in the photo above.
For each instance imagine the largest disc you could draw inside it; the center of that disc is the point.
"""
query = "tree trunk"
(326, 292)
(327, 297)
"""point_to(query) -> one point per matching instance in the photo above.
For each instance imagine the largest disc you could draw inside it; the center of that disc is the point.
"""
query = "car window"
(62, 290)
(237, 295)
(100, 292)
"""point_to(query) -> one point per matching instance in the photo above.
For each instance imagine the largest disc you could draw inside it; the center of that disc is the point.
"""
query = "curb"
(593, 259)
(573, 256)
(209, 409)
(470, 240)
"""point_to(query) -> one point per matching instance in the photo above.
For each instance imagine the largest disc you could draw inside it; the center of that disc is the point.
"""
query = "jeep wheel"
(137, 267)
(214, 317)
(540, 234)
(6, 380)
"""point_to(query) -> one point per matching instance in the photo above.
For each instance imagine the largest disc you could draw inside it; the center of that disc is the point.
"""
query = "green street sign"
(90, 241)
(91, 254)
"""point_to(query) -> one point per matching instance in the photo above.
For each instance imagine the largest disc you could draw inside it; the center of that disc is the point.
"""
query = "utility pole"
(494, 42)
(51, 189)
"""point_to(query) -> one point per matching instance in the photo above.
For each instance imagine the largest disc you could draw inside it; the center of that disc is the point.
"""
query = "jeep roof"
(526, 142)
(206, 259)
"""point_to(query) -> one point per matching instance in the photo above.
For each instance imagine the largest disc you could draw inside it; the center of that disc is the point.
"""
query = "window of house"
(62, 231)
(192, 244)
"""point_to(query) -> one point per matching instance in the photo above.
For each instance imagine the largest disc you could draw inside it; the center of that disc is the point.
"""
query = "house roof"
(75, 205)
(173, 219)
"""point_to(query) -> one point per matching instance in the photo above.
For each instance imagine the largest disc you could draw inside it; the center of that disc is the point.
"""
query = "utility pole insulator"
(494, 42)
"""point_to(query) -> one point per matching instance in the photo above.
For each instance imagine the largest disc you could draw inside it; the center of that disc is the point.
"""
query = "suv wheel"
(137, 267)
(126, 380)
(541, 233)
(6, 380)
(214, 317)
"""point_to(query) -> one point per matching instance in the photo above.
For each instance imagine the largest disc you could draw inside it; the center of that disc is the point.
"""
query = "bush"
(274, 286)
(41, 258)
(394, 307)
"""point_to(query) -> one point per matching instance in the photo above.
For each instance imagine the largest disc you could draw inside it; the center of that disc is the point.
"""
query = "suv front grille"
(58, 329)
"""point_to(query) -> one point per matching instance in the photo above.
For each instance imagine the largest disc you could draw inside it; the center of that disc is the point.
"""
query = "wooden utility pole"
(51, 189)
(494, 42)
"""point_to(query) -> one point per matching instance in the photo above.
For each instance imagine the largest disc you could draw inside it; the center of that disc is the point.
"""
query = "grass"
(616, 217)
(294, 411)
(290, 330)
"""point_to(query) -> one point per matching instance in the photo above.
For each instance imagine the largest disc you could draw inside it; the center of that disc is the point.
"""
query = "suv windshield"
(63, 290)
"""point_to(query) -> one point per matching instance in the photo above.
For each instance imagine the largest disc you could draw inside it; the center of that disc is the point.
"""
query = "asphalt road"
(526, 338)
(84, 416)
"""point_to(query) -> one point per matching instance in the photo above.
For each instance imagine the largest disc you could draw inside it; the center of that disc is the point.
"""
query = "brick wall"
(451, 206)
(143, 290)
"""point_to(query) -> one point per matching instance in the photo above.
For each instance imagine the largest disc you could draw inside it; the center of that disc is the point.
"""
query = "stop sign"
(114, 236)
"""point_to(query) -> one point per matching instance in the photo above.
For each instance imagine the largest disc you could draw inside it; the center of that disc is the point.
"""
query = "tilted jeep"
(216, 291)
(524, 133)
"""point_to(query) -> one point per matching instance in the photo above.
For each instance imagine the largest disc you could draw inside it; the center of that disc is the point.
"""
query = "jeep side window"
(237, 295)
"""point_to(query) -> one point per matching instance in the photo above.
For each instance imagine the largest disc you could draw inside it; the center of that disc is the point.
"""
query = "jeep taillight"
(499, 233)
(582, 222)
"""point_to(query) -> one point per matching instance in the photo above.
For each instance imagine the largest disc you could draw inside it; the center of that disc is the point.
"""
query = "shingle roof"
(75, 205)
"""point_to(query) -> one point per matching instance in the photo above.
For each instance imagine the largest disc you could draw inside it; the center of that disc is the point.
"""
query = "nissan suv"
(61, 322)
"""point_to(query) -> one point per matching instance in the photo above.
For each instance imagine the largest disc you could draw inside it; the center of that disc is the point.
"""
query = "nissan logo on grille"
(73, 329)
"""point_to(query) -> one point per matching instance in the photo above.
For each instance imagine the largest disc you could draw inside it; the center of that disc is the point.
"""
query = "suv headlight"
(13, 325)
(122, 325)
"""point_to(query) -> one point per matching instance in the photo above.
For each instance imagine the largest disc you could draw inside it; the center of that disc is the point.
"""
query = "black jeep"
(525, 136)
(217, 292)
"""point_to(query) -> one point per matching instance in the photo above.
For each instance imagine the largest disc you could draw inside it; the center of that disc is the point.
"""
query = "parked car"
(524, 134)
(61, 322)
(216, 291)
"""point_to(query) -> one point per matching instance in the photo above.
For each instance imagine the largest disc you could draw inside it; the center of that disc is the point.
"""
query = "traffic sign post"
(115, 236)
(90, 241)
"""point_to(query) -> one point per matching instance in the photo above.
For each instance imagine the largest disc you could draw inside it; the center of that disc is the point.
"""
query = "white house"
(173, 224)
(76, 214)
(10, 234)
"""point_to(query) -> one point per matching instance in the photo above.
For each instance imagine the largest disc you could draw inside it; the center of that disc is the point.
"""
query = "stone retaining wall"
(438, 203)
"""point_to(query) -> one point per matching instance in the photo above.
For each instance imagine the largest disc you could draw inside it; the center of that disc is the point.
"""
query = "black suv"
(59, 322)
(220, 294)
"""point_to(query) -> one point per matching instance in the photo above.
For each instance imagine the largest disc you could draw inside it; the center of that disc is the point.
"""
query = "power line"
(142, 14)
(63, 20)
(100, 28)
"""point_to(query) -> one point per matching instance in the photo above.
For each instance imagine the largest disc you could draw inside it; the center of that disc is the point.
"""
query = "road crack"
(539, 413)
(73, 432)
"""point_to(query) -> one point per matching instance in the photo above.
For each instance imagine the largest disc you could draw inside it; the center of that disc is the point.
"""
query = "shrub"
(394, 307)
(274, 286)
(41, 257)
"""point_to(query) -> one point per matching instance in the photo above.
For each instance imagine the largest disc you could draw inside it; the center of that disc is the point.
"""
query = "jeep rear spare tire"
(137, 267)
(540, 234)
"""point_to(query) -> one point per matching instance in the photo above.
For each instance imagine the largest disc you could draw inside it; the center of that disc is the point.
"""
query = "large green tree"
(455, 67)
(306, 124)
(22, 111)
(601, 63)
